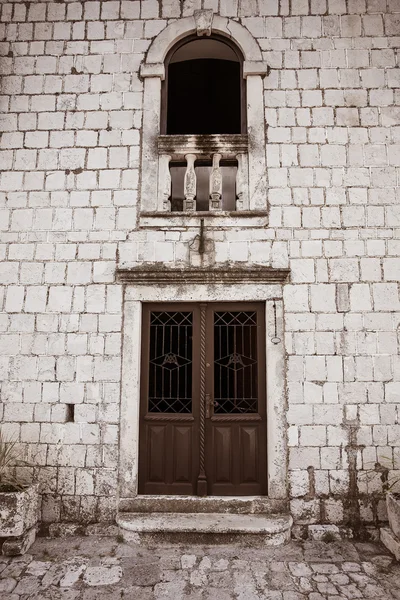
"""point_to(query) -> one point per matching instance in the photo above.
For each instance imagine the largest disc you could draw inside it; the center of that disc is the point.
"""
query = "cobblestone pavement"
(98, 568)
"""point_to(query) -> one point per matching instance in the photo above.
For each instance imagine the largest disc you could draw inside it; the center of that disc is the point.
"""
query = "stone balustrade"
(215, 151)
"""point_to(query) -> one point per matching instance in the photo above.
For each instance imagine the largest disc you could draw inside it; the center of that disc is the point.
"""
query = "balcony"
(199, 173)
(219, 178)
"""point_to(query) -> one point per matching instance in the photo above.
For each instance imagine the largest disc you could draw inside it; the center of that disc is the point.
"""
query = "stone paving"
(105, 568)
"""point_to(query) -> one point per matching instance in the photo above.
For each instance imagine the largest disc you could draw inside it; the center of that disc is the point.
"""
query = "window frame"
(152, 210)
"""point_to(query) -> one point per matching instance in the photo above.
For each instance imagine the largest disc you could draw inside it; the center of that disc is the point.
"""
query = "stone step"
(272, 530)
(207, 504)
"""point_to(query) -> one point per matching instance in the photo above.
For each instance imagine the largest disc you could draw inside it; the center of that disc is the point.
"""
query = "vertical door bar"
(202, 480)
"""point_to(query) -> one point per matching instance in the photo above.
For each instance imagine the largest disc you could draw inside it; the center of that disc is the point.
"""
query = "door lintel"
(146, 275)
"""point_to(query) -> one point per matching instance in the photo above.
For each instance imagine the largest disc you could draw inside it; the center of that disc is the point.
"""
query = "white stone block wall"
(70, 123)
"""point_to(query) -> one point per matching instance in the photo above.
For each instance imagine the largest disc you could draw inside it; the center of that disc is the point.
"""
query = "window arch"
(203, 91)
(159, 148)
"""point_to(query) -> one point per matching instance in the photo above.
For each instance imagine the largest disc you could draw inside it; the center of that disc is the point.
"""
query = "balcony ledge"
(213, 219)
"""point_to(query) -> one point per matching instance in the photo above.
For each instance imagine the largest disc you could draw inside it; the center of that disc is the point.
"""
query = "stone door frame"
(263, 285)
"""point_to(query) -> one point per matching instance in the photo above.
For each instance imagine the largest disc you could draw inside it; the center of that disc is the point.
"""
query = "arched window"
(203, 94)
(203, 91)
(203, 141)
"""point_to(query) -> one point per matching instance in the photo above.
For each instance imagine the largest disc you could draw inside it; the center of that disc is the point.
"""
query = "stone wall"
(70, 145)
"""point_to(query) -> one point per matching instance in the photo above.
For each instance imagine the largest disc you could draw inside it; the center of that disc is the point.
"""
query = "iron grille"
(170, 362)
(235, 362)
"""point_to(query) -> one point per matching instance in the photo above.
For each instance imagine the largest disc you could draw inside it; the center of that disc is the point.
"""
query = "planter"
(18, 519)
(393, 510)
(390, 536)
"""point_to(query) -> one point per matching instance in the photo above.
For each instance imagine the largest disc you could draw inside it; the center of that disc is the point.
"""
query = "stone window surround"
(153, 72)
(196, 285)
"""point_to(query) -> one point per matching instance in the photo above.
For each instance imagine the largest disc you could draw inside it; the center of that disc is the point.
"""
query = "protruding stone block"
(391, 542)
(19, 545)
(203, 20)
(18, 511)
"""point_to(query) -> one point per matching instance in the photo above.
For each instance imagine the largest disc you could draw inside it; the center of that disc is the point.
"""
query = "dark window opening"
(70, 413)
(204, 89)
(203, 97)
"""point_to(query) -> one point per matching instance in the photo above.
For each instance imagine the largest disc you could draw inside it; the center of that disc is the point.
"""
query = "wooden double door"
(203, 407)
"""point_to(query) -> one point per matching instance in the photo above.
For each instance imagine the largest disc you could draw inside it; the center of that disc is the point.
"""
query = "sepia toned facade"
(200, 240)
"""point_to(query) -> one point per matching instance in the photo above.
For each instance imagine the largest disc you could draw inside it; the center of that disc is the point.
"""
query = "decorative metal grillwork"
(170, 362)
(235, 362)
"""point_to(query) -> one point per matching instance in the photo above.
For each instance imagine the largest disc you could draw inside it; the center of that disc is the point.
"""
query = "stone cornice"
(203, 144)
(150, 274)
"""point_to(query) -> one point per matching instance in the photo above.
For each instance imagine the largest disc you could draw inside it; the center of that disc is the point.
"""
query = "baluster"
(190, 181)
(216, 184)
(242, 182)
(164, 183)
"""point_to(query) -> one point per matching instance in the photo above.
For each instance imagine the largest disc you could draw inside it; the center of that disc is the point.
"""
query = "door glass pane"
(170, 365)
(235, 362)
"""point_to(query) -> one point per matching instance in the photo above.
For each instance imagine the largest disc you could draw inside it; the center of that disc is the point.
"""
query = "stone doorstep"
(209, 504)
(274, 530)
(391, 541)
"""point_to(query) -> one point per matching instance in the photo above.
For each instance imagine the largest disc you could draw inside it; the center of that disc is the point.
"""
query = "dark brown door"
(203, 410)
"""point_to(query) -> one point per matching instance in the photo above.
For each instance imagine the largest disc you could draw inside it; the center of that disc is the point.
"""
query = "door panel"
(235, 466)
(222, 455)
(249, 451)
(203, 410)
(156, 440)
(182, 453)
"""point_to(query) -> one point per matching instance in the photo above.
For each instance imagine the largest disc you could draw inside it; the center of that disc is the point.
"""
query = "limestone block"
(19, 545)
(391, 542)
(320, 532)
(104, 575)
(18, 511)
(393, 508)
(64, 530)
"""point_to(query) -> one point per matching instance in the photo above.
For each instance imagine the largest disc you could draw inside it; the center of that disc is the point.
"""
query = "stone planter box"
(393, 510)
(390, 536)
(18, 519)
